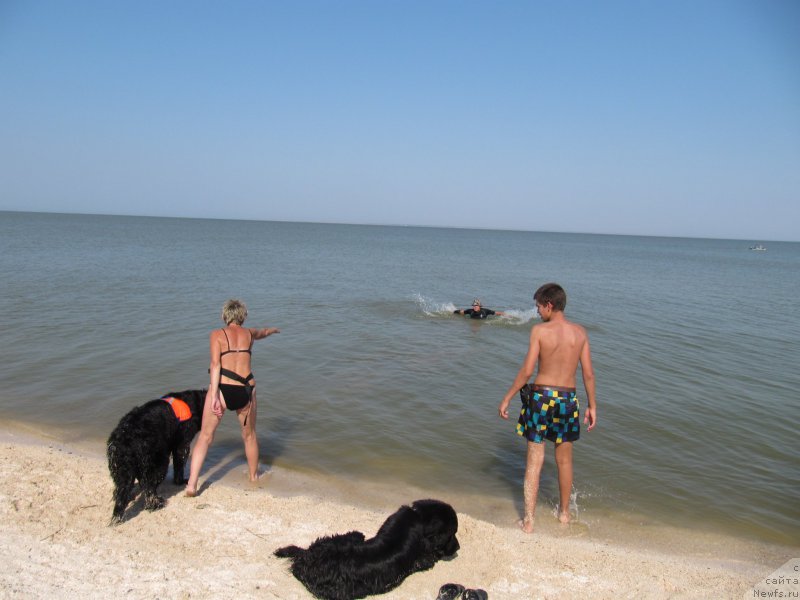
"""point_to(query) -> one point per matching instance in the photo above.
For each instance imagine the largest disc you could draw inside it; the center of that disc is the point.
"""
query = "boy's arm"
(588, 383)
(524, 374)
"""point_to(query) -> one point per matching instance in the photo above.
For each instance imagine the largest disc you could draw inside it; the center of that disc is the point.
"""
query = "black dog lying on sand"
(344, 567)
(141, 444)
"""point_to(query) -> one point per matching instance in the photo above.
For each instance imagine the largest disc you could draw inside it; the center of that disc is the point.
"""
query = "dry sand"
(55, 505)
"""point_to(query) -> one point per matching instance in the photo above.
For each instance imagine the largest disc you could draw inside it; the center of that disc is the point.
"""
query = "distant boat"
(758, 248)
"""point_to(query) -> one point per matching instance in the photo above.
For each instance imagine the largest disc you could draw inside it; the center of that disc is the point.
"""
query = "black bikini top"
(231, 374)
(229, 351)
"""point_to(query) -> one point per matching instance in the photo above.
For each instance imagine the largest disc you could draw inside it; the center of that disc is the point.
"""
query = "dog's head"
(440, 525)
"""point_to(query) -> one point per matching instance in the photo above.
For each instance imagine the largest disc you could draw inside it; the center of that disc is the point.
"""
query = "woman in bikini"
(232, 387)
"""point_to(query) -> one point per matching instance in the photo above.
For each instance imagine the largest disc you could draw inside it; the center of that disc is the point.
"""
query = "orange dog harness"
(179, 407)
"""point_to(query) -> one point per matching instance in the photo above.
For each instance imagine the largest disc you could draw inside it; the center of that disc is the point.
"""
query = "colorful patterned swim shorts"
(549, 413)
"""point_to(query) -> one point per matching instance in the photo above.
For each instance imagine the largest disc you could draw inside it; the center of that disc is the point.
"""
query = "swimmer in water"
(477, 311)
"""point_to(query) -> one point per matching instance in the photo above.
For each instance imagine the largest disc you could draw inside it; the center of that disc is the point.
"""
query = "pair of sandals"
(456, 591)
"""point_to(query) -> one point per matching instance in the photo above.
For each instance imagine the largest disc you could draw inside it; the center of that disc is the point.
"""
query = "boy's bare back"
(560, 343)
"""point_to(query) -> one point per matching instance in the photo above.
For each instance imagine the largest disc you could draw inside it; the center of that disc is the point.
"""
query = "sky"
(677, 118)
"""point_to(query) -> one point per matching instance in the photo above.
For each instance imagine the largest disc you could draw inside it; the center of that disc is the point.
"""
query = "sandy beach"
(56, 503)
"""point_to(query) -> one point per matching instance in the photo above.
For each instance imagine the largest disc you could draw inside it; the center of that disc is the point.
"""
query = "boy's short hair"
(553, 294)
(234, 311)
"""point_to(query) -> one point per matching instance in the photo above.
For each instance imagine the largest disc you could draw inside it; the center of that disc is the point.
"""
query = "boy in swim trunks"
(549, 406)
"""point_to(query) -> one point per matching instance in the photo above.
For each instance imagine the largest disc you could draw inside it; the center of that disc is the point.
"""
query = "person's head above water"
(476, 303)
(234, 311)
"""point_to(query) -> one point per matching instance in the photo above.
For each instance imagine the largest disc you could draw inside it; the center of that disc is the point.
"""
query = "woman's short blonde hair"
(234, 311)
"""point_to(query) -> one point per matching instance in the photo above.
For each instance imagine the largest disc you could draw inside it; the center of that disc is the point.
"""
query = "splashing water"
(518, 317)
(432, 308)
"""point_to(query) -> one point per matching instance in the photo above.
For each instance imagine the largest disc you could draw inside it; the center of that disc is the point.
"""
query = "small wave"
(519, 317)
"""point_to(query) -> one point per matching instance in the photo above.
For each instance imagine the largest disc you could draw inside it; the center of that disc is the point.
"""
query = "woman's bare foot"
(191, 493)
(260, 474)
(526, 525)
(564, 518)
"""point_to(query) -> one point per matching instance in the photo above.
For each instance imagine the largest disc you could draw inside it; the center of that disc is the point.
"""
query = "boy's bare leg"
(564, 463)
(533, 471)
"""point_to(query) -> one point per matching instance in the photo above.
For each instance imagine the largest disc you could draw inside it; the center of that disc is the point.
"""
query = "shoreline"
(55, 499)
(282, 479)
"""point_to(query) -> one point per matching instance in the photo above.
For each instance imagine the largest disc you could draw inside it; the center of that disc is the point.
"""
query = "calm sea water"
(695, 345)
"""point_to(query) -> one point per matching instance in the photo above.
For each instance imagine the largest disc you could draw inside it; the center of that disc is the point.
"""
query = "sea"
(373, 381)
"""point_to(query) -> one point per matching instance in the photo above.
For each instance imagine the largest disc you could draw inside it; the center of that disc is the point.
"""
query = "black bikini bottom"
(236, 396)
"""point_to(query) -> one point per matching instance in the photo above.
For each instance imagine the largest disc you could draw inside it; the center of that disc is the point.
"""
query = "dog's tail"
(122, 474)
(289, 552)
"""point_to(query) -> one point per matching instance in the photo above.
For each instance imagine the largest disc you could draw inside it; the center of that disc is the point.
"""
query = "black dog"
(141, 444)
(344, 567)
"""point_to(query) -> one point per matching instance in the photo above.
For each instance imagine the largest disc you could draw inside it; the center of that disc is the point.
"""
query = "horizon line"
(367, 224)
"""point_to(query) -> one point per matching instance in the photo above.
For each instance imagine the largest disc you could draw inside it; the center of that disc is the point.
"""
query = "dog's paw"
(475, 595)
(450, 591)
(155, 503)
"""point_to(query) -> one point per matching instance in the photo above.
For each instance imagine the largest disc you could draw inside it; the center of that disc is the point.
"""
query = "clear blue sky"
(677, 118)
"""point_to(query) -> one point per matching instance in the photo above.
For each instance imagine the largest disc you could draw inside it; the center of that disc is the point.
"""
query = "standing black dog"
(140, 446)
(344, 567)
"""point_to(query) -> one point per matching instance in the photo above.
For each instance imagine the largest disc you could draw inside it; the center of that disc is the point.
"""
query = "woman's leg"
(204, 439)
(247, 419)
